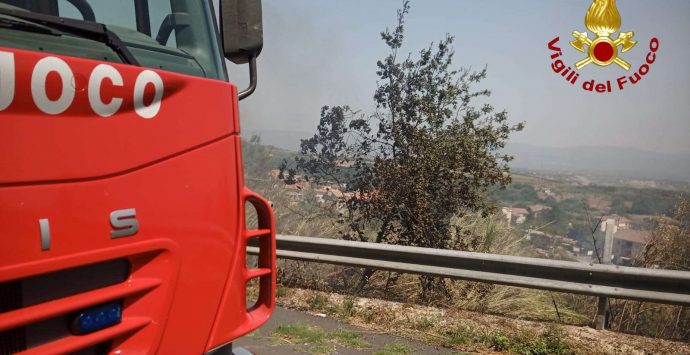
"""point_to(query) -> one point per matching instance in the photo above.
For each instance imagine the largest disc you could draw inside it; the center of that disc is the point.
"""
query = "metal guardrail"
(661, 286)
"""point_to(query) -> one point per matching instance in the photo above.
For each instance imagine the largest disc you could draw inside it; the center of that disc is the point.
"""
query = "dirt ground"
(472, 332)
(268, 341)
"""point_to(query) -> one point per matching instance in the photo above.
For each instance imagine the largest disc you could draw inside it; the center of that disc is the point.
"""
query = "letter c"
(148, 77)
(38, 85)
(6, 79)
(100, 72)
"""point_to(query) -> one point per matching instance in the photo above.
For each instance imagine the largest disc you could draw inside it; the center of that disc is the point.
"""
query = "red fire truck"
(122, 200)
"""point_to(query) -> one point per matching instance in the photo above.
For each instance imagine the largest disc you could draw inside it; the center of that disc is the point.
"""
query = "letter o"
(38, 85)
(644, 69)
(654, 44)
(99, 73)
(148, 77)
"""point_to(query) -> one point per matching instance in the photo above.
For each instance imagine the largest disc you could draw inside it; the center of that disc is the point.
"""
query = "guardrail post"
(603, 302)
(602, 308)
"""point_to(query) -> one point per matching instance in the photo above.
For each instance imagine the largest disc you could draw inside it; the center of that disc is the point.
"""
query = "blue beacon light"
(97, 318)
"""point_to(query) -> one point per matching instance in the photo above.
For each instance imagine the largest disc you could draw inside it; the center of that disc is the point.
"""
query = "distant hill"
(279, 138)
(609, 161)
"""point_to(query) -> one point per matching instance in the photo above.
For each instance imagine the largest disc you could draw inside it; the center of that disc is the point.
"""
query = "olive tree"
(425, 157)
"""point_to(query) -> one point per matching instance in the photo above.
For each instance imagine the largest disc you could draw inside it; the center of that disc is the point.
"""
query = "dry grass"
(295, 215)
(471, 331)
(473, 234)
(317, 338)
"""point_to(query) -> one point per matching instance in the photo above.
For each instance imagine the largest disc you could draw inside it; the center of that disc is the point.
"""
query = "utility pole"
(603, 302)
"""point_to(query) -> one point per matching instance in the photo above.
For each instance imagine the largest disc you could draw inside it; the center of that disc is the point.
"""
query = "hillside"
(611, 161)
(601, 160)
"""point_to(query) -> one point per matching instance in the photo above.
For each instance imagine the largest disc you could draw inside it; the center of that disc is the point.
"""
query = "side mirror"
(242, 33)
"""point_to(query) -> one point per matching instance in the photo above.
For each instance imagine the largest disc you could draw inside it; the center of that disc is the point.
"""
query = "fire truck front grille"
(40, 312)
(64, 283)
(10, 296)
(12, 341)
(35, 290)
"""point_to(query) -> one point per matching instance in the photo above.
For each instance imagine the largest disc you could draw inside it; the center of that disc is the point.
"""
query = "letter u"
(6, 79)
(635, 78)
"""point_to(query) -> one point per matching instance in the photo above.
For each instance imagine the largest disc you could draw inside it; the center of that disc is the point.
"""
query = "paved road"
(264, 341)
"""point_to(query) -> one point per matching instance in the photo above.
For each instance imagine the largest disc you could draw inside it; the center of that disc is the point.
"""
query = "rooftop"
(632, 235)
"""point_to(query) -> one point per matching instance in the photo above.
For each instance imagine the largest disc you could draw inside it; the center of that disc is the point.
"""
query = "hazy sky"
(320, 52)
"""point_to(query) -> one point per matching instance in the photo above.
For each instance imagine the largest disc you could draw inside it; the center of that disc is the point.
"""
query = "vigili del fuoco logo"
(603, 20)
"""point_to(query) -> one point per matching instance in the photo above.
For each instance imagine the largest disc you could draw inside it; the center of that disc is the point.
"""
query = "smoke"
(301, 68)
(324, 53)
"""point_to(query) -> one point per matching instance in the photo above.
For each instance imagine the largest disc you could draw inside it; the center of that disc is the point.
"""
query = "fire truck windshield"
(175, 35)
